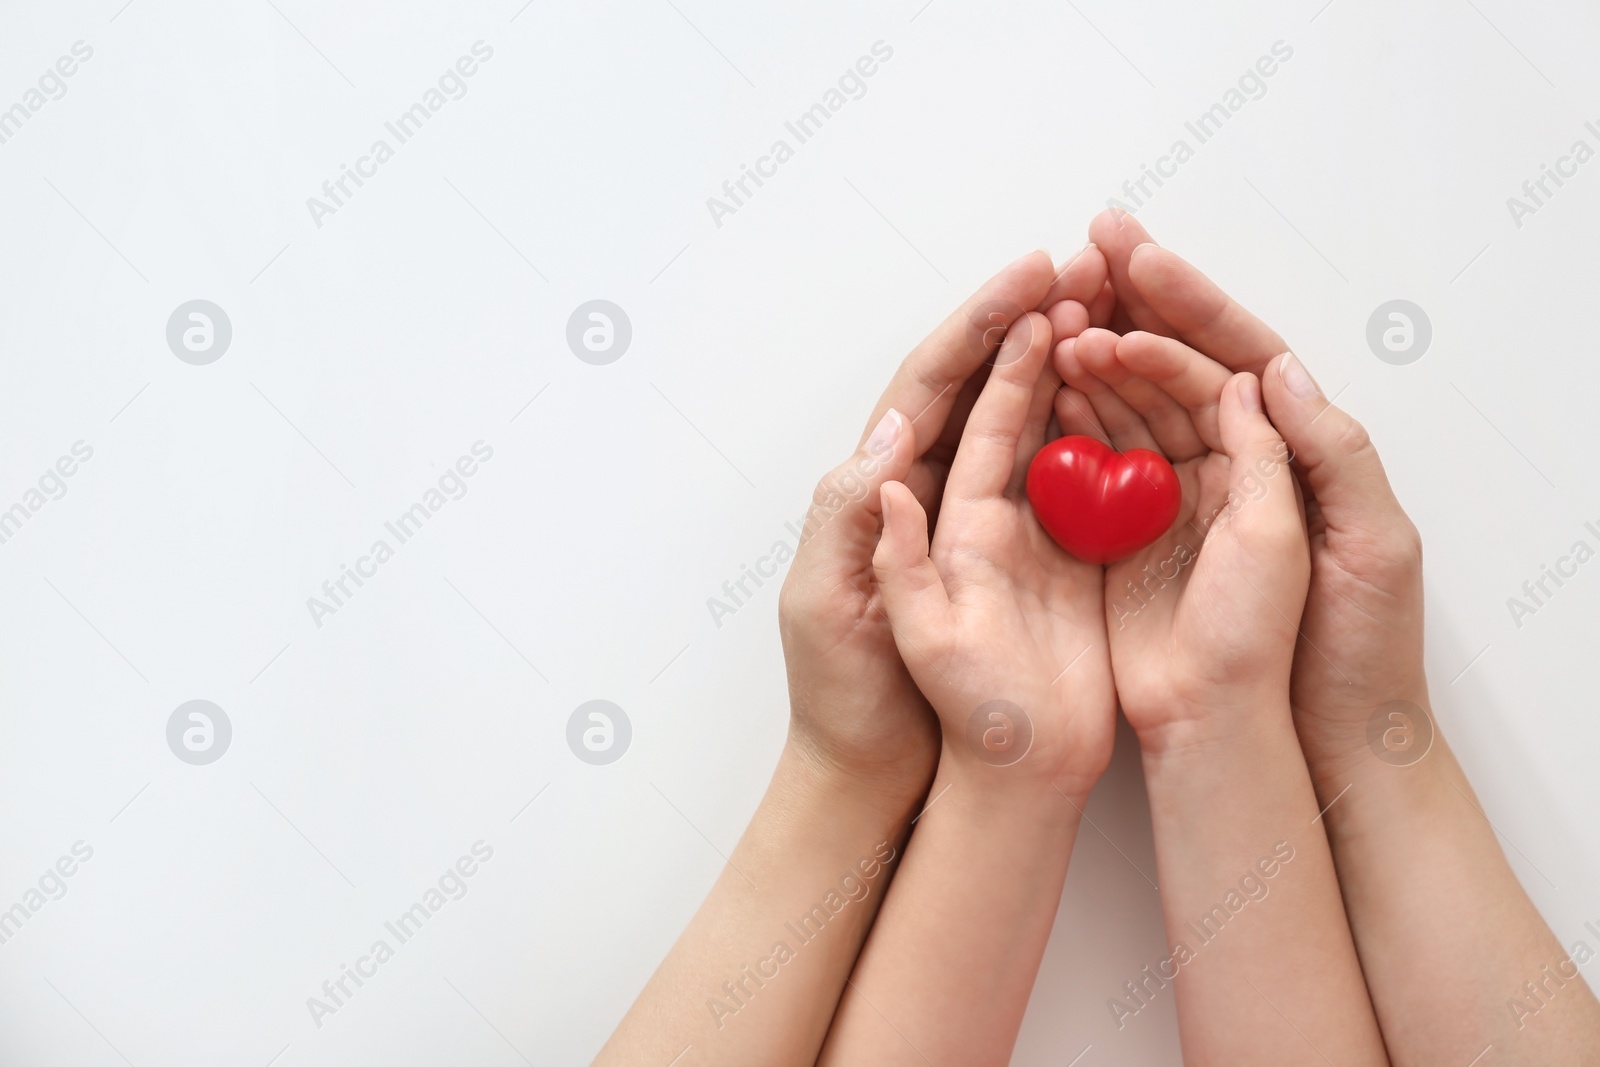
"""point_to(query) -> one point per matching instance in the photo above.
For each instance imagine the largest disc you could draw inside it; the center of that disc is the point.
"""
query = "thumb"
(914, 595)
(1341, 466)
(841, 525)
(1259, 482)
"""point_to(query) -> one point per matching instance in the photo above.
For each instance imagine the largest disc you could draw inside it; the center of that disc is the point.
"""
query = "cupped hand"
(1001, 628)
(1202, 622)
(854, 706)
(1361, 635)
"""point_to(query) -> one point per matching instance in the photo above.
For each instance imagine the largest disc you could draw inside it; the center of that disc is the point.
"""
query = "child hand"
(999, 627)
(1361, 643)
(1203, 622)
(1361, 646)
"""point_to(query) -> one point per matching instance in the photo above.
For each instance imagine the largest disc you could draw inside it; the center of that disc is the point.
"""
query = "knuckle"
(848, 483)
(798, 601)
(1402, 548)
(1353, 439)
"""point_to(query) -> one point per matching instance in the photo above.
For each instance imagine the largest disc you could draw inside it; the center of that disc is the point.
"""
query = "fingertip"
(1098, 351)
(1104, 225)
(886, 435)
(1034, 267)
(1104, 305)
(1232, 417)
(1066, 360)
(1067, 318)
(1248, 387)
(1027, 334)
(1140, 352)
(889, 500)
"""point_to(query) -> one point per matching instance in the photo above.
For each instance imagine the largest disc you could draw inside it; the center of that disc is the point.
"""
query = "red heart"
(1101, 505)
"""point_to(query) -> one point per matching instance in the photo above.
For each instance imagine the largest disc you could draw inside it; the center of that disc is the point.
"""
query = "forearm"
(1261, 956)
(755, 977)
(1449, 939)
(945, 977)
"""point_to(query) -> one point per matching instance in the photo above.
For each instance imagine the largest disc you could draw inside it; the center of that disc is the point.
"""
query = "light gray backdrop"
(377, 338)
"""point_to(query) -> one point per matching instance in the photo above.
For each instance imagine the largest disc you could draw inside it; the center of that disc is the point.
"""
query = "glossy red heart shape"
(1098, 504)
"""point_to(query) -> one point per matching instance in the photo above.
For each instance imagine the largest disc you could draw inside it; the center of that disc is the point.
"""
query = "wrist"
(1004, 796)
(894, 788)
(1342, 738)
(1221, 720)
(1032, 779)
(1417, 768)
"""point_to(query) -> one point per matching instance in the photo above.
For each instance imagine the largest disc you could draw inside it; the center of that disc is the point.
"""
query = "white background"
(368, 354)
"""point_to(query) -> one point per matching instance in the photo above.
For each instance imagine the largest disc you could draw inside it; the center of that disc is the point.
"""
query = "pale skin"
(992, 611)
(1417, 860)
(862, 742)
(1202, 626)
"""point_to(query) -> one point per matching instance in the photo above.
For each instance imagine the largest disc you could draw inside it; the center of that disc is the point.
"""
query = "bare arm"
(1418, 862)
(1203, 628)
(756, 976)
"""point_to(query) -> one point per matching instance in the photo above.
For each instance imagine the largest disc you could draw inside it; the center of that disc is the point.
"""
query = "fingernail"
(1140, 248)
(1016, 343)
(1296, 377)
(886, 433)
(1250, 394)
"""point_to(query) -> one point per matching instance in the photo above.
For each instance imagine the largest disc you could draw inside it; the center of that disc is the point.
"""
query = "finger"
(1068, 318)
(1341, 465)
(1210, 498)
(1076, 415)
(914, 596)
(925, 386)
(1074, 360)
(928, 475)
(1080, 278)
(1117, 234)
(1262, 507)
(1195, 309)
(1191, 379)
(988, 452)
(1167, 421)
(1101, 308)
(841, 525)
(1036, 430)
